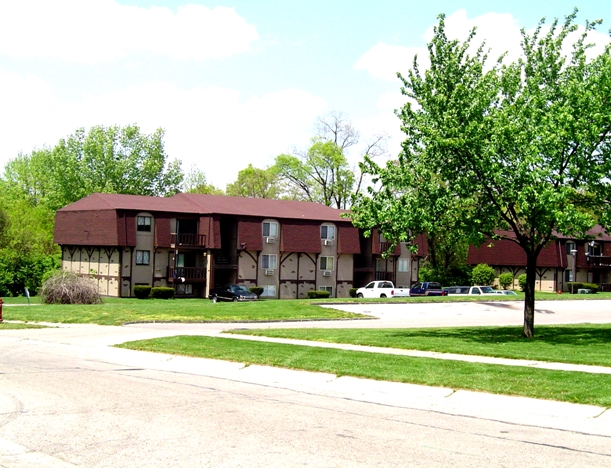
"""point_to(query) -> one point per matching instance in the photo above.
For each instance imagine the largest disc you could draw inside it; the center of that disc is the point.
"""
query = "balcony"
(190, 274)
(598, 261)
(384, 276)
(188, 240)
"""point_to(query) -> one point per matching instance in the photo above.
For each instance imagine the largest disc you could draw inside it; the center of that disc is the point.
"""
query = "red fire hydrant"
(1, 309)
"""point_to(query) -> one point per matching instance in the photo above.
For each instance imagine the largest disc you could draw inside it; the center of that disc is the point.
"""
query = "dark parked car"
(232, 292)
(426, 288)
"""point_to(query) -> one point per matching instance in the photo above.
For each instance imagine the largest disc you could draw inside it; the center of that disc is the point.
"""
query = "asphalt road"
(68, 399)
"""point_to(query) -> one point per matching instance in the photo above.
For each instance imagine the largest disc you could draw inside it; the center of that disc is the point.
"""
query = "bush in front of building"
(162, 292)
(483, 275)
(506, 280)
(258, 290)
(66, 287)
(314, 294)
(575, 287)
(352, 292)
(522, 281)
(142, 291)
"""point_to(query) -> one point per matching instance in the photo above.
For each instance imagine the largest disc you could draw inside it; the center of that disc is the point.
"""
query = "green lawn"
(574, 387)
(121, 311)
(578, 344)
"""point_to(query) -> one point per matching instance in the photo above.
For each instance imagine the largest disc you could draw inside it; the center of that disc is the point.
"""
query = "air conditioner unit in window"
(326, 273)
(328, 241)
(269, 272)
(270, 240)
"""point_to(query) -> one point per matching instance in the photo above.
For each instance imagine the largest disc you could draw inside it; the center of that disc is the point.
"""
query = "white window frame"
(269, 261)
(143, 257)
(146, 224)
(326, 288)
(324, 231)
(326, 263)
(403, 265)
(570, 245)
(272, 229)
(269, 290)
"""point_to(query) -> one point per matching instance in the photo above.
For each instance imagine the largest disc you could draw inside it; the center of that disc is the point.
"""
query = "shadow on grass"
(576, 335)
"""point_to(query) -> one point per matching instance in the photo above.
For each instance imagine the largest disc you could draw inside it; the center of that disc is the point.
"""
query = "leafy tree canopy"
(517, 150)
(104, 159)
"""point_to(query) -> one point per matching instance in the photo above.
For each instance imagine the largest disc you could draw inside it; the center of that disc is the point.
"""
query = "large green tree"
(253, 182)
(522, 148)
(195, 181)
(104, 159)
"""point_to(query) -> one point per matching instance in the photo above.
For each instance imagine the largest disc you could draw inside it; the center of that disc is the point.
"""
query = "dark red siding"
(163, 236)
(87, 228)
(348, 240)
(250, 233)
(300, 237)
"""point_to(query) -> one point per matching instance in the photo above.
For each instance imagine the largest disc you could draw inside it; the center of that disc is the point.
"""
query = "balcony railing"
(385, 276)
(599, 261)
(384, 246)
(190, 274)
(188, 240)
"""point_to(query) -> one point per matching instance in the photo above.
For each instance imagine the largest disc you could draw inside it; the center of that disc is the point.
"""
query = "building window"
(144, 223)
(268, 262)
(268, 291)
(326, 288)
(183, 289)
(403, 264)
(143, 257)
(327, 232)
(568, 276)
(326, 263)
(594, 248)
(570, 246)
(270, 229)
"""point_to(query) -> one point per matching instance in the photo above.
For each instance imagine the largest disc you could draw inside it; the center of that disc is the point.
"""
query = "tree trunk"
(529, 297)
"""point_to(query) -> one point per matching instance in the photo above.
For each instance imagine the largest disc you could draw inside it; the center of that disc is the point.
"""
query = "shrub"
(483, 275)
(522, 281)
(258, 290)
(160, 292)
(575, 287)
(506, 280)
(66, 287)
(142, 291)
(314, 294)
(352, 292)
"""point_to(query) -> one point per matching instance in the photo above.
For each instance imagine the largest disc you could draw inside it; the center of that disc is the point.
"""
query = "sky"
(233, 83)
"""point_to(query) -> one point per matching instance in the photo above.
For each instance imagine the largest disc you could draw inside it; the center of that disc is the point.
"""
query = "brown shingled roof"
(210, 204)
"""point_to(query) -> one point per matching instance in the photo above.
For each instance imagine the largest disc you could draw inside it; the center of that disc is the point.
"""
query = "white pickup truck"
(470, 290)
(382, 289)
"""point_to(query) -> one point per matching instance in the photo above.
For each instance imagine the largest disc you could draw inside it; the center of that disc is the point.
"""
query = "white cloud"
(95, 31)
(384, 61)
(500, 32)
(215, 128)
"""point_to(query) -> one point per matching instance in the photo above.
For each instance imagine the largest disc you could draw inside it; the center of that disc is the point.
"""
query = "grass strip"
(121, 311)
(574, 387)
(18, 326)
(577, 344)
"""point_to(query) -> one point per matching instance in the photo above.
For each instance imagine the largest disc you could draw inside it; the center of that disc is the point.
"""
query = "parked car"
(232, 293)
(381, 289)
(505, 292)
(470, 290)
(426, 288)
